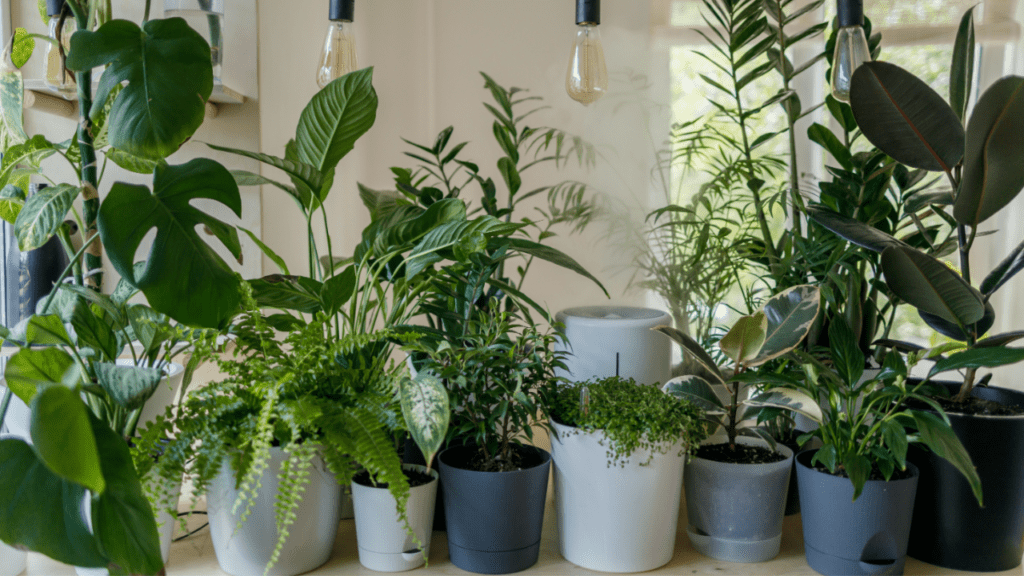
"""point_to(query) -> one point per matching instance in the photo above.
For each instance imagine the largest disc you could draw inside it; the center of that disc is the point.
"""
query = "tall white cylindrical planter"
(245, 550)
(12, 560)
(616, 340)
(614, 519)
(384, 544)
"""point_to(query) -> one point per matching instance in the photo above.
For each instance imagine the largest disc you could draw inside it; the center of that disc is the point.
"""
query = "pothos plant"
(979, 155)
(774, 331)
(140, 112)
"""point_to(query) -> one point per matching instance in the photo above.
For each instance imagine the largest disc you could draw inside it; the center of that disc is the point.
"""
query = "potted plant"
(494, 485)
(979, 157)
(623, 445)
(736, 490)
(857, 490)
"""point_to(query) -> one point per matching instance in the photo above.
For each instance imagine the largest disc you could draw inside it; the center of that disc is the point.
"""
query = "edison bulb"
(851, 51)
(57, 76)
(587, 79)
(339, 54)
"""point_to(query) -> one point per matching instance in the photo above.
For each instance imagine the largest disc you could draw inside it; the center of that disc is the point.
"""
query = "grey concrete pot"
(735, 511)
(843, 536)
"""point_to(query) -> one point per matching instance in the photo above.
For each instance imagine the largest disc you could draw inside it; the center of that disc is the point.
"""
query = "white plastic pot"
(12, 560)
(384, 544)
(244, 550)
(614, 519)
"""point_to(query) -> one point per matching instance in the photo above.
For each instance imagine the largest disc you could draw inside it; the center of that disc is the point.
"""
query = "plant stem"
(53, 293)
(4, 404)
(87, 148)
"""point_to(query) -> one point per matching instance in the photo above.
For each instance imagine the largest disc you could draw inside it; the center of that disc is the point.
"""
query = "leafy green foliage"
(633, 417)
(427, 413)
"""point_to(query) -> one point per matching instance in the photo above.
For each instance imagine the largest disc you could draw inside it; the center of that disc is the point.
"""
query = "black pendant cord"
(588, 12)
(850, 12)
(342, 10)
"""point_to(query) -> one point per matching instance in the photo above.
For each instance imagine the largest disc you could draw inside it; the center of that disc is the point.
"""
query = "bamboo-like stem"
(86, 146)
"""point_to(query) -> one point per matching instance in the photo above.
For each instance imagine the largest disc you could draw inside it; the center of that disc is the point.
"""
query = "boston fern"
(633, 417)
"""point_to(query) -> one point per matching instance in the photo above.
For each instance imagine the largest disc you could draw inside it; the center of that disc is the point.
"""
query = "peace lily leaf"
(992, 177)
(696, 390)
(12, 105)
(266, 250)
(62, 437)
(32, 368)
(852, 230)
(1000, 339)
(102, 300)
(48, 331)
(170, 78)
(148, 326)
(122, 518)
(183, 278)
(41, 511)
(690, 345)
(335, 118)
(786, 399)
(12, 200)
(988, 357)
(43, 214)
(895, 437)
(131, 162)
(905, 118)
(425, 408)
(554, 256)
(790, 315)
(308, 175)
(745, 338)
(961, 72)
(931, 286)
(288, 293)
(846, 353)
(129, 386)
(937, 435)
(337, 290)
(93, 332)
(858, 468)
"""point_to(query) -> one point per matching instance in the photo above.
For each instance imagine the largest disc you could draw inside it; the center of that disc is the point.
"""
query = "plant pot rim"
(434, 476)
(750, 442)
(545, 456)
(602, 431)
(957, 415)
(914, 472)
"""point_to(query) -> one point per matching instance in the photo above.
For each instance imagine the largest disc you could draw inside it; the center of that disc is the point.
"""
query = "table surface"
(194, 556)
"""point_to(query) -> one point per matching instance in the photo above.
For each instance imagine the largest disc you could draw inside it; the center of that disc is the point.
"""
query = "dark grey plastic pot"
(494, 519)
(866, 536)
(735, 511)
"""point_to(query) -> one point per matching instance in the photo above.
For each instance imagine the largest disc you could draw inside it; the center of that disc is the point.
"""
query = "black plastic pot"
(494, 518)
(950, 529)
(866, 536)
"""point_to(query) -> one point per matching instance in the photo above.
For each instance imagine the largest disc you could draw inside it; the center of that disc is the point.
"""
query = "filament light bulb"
(587, 78)
(339, 54)
(58, 78)
(851, 47)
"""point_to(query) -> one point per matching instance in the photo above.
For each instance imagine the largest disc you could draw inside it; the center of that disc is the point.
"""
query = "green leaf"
(12, 106)
(992, 177)
(126, 288)
(694, 349)
(790, 316)
(28, 154)
(122, 518)
(183, 278)
(33, 368)
(553, 256)
(895, 438)
(905, 118)
(827, 140)
(695, 390)
(1008, 268)
(43, 214)
(23, 46)
(852, 230)
(847, 357)
(12, 200)
(287, 293)
(62, 437)
(744, 340)
(129, 386)
(309, 176)
(267, 251)
(131, 162)
(149, 326)
(337, 290)
(335, 118)
(931, 286)
(792, 400)
(1000, 339)
(938, 436)
(158, 109)
(858, 468)
(425, 408)
(988, 357)
(47, 331)
(93, 332)
(961, 71)
(41, 511)
(510, 174)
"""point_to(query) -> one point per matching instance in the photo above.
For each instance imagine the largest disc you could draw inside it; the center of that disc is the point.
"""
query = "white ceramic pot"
(245, 550)
(614, 519)
(384, 544)
(12, 560)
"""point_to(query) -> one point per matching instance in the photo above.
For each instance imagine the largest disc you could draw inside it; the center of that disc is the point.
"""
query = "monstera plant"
(149, 100)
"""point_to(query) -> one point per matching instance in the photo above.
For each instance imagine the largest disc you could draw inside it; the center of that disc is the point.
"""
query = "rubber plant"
(979, 155)
(141, 112)
(772, 332)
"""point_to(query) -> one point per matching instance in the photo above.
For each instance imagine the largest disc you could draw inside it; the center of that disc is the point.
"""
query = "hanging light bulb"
(587, 79)
(57, 76)
(339, 55)
(851, 47)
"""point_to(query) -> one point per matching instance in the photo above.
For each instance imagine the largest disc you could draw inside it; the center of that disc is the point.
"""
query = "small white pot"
(384, 544)
(12, 560)
(614, 519)
(245, 550)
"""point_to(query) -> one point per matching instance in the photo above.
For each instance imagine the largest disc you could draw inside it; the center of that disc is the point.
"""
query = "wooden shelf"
(39, 97)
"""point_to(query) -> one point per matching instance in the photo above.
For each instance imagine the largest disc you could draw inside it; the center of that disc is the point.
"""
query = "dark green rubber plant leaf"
(905, 118)
(790, 315)
(43, 214)
(167, 67)
(954, 331)
(937, 435)
(425, 408)
(694, 349)
(852, 230)
(1000, 339)
(41, 511)
(961, 72)
(1008, 268)
(183, 277)
(931, 286)
(129, 386)
(62, 437)
(787, 399)
(995, 153)
(335, 118)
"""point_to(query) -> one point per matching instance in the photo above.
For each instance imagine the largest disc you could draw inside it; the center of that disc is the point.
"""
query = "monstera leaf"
(167, 67)
(183, 277)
